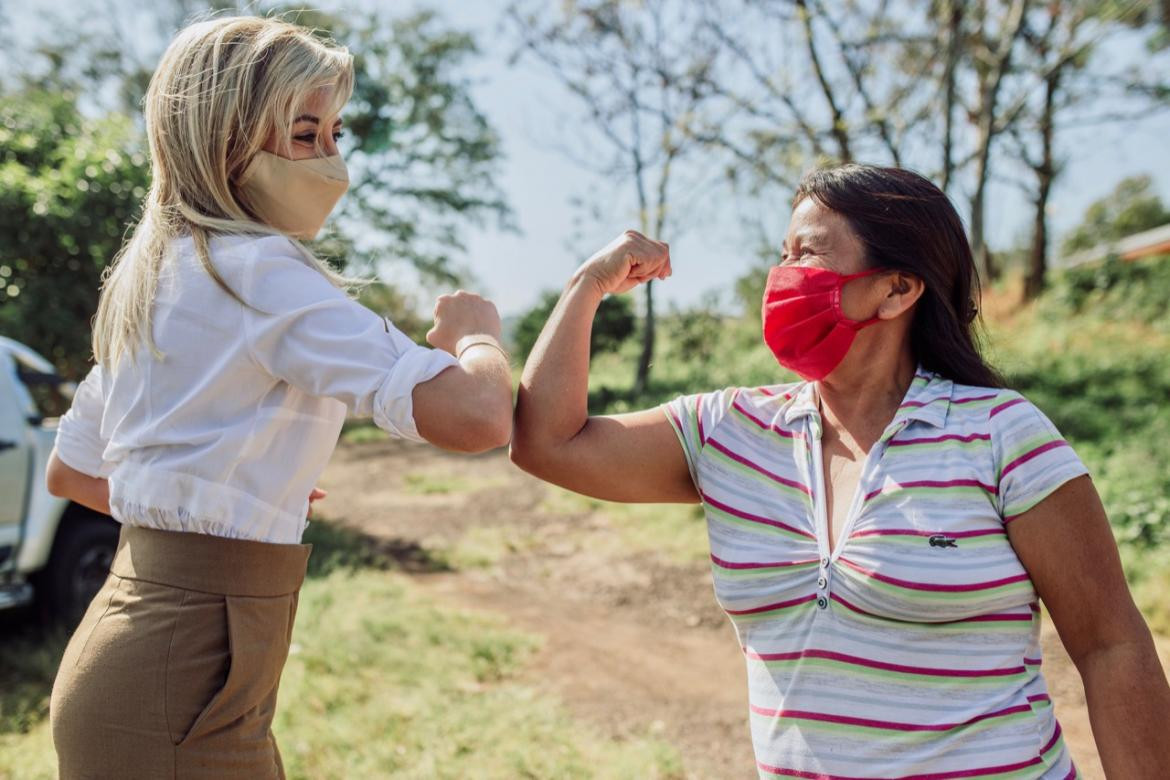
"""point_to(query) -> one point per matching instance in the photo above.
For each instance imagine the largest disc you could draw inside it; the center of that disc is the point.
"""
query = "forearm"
(484, 361)
(626, 457)
(64, 481)
(467, 408)
(1129, 709)
(554, 390)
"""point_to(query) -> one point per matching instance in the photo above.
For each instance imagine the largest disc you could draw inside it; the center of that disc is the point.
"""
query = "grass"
(428, 484)
(1094, 354)
(677, 532)
(362, 432)
(431, 483)
(380, 682)
(484, 546)
(28, 663)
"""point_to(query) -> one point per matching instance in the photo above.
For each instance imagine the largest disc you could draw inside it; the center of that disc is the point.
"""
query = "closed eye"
(311, 138)
(788, 258)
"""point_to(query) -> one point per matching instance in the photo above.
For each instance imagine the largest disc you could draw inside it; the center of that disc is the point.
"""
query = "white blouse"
(227, 433)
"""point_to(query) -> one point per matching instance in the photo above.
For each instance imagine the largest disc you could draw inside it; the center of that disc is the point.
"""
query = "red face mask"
(803, 322)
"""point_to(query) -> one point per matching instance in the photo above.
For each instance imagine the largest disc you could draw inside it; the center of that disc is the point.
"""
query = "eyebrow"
(813, 236)
(313, 119)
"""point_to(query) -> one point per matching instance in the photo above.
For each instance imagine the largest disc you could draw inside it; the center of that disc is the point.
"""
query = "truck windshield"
(49, 393)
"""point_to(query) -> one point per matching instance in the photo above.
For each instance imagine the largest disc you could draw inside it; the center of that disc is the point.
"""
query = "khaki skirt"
(174, 669)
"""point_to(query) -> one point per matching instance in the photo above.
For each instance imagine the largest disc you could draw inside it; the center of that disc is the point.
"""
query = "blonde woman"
(227, 359)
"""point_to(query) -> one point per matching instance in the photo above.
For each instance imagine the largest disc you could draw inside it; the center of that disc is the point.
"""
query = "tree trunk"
(1000, 65)
(954, 31)
(979, 248)
(642, 379)
(840, 129)
(1045, 174)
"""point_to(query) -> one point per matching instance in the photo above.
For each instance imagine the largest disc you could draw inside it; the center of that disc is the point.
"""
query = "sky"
(526, 106)
(528, 109)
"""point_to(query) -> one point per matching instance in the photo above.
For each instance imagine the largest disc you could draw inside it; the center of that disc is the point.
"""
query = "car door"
(15, 458)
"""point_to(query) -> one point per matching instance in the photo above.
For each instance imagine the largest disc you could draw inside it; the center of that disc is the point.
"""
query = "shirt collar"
(928, 400)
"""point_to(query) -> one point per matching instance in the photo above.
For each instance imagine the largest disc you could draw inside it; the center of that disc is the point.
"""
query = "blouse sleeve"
(303, 330)
(693, 417)
(1032, 459)
(80, 444)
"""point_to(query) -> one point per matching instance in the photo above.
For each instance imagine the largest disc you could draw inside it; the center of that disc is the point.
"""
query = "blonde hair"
(222, 88)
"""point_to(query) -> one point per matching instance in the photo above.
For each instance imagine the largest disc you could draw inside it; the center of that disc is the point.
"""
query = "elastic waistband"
(210, 564)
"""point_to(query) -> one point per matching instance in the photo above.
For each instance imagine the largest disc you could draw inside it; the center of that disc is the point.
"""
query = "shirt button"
(824, 561)
(822, 582)
(822, 602)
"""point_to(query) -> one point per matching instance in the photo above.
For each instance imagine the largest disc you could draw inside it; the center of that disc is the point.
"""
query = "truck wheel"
(78, 566)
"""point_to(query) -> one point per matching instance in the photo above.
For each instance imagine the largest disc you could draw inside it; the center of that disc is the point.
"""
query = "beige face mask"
(294, 196)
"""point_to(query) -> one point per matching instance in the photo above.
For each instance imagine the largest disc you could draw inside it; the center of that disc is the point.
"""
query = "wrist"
(485, 340)
(585, 283)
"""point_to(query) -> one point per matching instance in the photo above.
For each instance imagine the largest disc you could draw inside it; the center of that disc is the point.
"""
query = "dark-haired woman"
(882, 533)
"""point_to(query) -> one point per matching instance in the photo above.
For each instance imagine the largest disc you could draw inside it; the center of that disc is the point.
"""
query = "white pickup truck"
(51, 550)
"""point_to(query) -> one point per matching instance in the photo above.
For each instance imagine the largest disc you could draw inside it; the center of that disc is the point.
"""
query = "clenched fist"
(462, 314)
(626, 262)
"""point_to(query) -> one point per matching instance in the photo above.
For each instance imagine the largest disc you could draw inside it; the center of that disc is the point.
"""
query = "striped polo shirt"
(912, 650)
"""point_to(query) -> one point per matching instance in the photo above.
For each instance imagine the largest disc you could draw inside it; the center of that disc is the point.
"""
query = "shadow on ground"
(338, 546)
(31, 646)
(30, 650)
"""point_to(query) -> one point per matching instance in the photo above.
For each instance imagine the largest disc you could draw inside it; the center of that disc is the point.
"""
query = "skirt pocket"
(199, 662)
(255, 649)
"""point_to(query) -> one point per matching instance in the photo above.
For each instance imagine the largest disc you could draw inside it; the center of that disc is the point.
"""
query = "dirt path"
(564, 576)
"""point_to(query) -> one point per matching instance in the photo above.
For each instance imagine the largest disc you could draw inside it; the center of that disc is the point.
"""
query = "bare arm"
(629, 457)
(1068, 549)
(64, 481)
(466, 408)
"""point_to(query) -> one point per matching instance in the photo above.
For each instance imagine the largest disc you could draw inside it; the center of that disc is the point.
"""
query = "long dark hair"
(908, 224)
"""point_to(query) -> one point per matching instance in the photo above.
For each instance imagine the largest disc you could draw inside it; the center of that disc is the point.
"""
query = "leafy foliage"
(613, 325)
(1115, 289)
(422, 155)
(1132, 207)
(69, 187)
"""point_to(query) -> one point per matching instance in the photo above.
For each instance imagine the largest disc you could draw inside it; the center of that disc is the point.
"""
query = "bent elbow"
(518, 454)
(527, 454)
(494, 427)
(482, 432)
(493, 434)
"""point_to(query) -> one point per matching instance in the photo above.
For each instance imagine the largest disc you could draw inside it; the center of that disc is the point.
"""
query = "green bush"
(612, 327)
(1132, 207)
(70, 185)
(1115, 290)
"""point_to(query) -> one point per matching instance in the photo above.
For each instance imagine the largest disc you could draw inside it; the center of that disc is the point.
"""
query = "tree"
(640, 73)
(925, 83)
(1063, 44)
(991, 48)
(612, 327)
(816, 83)
(69, 186)
(422, 156)
(1130, 208)
(951, 14)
